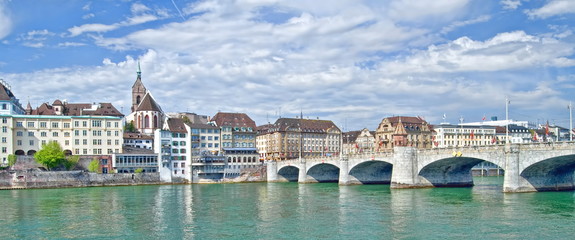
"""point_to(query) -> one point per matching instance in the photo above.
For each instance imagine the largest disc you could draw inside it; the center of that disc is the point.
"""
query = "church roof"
(234, 120)
(148, 104)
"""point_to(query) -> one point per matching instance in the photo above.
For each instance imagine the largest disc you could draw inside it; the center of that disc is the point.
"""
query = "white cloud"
(140, 14)
(510, 4)
(414, 10)
(459, 24)
(505, 51)
(6, 26)
(553, 8)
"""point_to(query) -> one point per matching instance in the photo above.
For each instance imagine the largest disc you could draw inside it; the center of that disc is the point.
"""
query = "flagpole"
(570, 122)
(506, 120)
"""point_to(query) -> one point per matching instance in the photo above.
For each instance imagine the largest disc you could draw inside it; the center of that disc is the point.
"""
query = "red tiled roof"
(234, 120)
(177, 125)
(306, 125)
(79, 109)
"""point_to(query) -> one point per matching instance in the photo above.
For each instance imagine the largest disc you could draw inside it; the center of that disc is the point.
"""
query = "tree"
(94, 166)
(139, 170)
(71, 162)
(51, 155)
(12, 160)
(130, 127)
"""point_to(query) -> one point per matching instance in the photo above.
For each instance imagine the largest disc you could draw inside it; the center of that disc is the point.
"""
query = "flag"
(472, 135)
(494, 140)
(573, 131)
(547, 129)
(483, 119)
(356, 146)
(535, 137)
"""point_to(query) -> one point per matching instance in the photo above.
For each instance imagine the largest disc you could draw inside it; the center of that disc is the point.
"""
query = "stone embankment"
(61, 179)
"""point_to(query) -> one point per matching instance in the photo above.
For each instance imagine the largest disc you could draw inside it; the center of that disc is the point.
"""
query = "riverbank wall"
(63, 179)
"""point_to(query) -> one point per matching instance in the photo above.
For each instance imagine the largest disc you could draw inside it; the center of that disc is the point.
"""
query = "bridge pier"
(512, 180)
(405, 173)
(272, 171)
(343, 172)
(302, 174)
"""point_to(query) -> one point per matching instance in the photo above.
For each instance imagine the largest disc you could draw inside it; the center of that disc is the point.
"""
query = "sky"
(353, 62)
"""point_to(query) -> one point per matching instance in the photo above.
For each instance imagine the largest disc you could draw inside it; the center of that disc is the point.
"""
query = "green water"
(286, 211)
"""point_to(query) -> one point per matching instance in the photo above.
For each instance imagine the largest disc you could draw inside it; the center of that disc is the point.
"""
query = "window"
(77, 142)
(76, 132)
(116, 124)
(19, 134)
(3, 139)
(175, 165)
(109, 141)
(109, 133)
(4, 106)
(30, 124)
(183, 165)
(84, 124)
(76, 124)
(4, 129)
(54, 134)
(67, 142)
(66, 125)
(85, 151)
(43, 124)
(31, 142)
(84, 132)
(19, 124)
(19, 142)
(108, 124)
(96, 133)
(66, 134)
(84, 141)
(97, 141)
(96, 123)
(4, 120)
(55, 125)
(182, 143)
(117, 142)
(4, 150)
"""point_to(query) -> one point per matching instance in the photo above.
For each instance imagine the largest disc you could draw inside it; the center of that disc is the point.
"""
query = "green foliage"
(139, 170)
(71, 162)
(129, 127)
(12, 160)
(186, 119)
(51, 155)
(94, 166)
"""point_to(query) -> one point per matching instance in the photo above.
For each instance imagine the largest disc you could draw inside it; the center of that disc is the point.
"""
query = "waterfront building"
(138, 140)
(147, 115)
(133, 159)
(355, 142)
(403, 131)
(520, 134)
(448, 135)
(290, 138)
(238, 141)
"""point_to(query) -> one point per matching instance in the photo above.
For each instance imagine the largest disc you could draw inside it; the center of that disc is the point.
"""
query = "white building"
(447, 135)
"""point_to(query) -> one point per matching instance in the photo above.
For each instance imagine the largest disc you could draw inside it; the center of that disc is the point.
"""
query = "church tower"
(138, 90)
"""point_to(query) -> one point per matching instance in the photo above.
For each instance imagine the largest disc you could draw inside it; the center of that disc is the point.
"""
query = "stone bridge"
(528, 167)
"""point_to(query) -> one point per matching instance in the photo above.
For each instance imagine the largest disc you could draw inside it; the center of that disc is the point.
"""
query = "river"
(286, 211)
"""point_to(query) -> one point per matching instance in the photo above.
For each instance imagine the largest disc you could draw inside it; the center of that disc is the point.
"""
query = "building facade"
(355, 142)
(412, 131)
(291, 138)
(238, 141)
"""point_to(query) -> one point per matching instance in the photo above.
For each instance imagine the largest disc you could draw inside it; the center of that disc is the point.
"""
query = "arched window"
(139, 122)
(155, 121)
(138, 100)
(147, 121)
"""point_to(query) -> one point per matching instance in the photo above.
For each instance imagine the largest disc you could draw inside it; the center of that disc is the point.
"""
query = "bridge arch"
(451, 172)
(322, 172)
(371, 172)
(288, 173)
(551, 174)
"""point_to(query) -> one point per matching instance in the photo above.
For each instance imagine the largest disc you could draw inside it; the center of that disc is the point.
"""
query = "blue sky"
(353, 62)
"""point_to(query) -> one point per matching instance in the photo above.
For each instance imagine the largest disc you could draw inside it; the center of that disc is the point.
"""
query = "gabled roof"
(148, 104)
(233, 120)
(177, 125)
(5, 93)
(351, 136)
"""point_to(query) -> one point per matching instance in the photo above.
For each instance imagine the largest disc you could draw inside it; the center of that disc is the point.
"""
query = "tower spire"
(139, 70)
